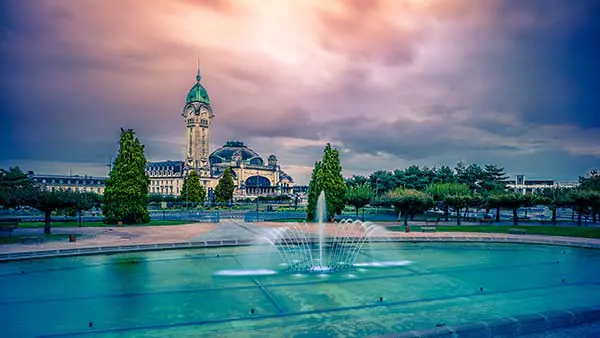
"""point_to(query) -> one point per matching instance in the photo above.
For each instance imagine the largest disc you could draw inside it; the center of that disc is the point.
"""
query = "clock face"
(189, 110)
(204, 111)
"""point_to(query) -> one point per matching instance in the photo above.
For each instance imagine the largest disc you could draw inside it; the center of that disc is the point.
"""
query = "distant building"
(524, 186)
(251, 175)
(71, 183)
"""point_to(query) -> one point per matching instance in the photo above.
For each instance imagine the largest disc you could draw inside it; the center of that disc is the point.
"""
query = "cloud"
(391, 83)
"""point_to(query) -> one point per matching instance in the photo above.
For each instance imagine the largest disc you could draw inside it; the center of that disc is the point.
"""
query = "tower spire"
(198, 77)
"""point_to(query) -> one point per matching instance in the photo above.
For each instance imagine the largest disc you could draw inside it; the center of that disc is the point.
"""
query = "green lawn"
(95, 224)
(537, 230)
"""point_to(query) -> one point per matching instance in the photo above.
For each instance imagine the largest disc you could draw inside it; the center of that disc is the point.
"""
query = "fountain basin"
(183, 293)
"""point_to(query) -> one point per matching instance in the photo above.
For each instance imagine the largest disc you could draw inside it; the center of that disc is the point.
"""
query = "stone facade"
(71, 183)
(252, 177)
(524, 186)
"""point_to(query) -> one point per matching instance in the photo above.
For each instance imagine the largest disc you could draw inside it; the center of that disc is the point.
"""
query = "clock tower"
(197, 114)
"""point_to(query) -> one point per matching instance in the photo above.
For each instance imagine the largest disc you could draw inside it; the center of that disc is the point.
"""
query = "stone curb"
(576, 242)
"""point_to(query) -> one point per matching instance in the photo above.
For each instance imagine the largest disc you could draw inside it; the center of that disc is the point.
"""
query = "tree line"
(125, 196)
(17, 189)
(415, 190)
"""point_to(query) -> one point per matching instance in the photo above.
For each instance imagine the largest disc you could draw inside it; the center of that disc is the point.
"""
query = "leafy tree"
(408, 202)
(581, 200)
(591, 181)
(416, 178)
(191, 190)
(446, 193)
(356, 180)
(81, 201)
(332, 181)
(359, 196)
(327, 177)
(514, 201)
(225, 187)
(16, 188)
(383, 181)
(444, 174)
(494, 179)
(458, 202)
(50, 201)
(126, 193)
(493, 200)
(595, 204)
(314, 189)
(554, 198)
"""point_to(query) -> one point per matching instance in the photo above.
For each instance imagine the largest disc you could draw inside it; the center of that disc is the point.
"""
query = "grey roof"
(174, 166)
(69, 180)
(226, 152)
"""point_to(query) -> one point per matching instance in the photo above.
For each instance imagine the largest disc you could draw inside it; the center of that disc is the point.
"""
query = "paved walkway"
(94, 237)
(110, 236)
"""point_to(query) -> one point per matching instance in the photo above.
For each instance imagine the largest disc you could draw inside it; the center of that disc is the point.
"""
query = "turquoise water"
(179, 293)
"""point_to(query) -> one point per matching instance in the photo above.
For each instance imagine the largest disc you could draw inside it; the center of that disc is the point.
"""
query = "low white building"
(525, 186)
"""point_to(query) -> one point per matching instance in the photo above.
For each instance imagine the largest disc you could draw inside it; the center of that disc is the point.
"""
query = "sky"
(389, 83)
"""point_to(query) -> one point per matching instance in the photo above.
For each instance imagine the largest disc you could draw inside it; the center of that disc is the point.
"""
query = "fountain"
(337, 252)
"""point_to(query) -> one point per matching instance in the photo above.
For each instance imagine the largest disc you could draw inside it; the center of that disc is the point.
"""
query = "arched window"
(257, 181)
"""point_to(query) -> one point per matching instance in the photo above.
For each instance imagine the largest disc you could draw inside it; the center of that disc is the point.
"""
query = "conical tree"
(126, 193)
(192, 191)
(314, 189)
(225, 187)
(327, 177)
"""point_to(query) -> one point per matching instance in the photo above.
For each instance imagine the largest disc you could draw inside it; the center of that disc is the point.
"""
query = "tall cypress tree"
(225, 187)
(192, 191)
(327, 177)
(314, 189)
(126, 193)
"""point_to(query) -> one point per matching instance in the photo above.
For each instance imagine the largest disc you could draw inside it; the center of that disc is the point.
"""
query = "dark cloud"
(514, 85)
(249, 122)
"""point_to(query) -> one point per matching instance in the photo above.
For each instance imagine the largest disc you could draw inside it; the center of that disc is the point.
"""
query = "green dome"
(198, 93)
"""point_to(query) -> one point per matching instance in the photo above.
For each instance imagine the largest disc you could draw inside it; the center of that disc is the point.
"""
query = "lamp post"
(257, 195)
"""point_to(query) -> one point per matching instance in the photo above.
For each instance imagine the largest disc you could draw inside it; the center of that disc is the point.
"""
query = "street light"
(257, 195)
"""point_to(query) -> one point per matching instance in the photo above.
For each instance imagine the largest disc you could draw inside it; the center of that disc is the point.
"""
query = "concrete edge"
(14, 256)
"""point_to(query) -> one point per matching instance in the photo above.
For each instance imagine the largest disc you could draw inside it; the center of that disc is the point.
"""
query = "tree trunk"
(457, 216)
(356, 212)
(466, 211)
(446, 212)
(497, 215)
(579, 218)
(554, 216)
(47, 222)
(405, 219)
(515, 216)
